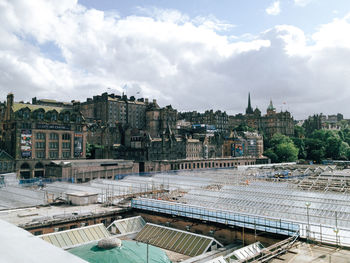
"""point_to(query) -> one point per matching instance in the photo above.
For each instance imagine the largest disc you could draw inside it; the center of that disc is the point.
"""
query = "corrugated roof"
(172, 239)
(18, 245)
(71, 238)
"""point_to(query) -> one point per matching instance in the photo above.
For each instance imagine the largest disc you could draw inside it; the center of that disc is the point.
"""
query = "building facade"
(248, 144)
(218, 119)
(112, 110)
(7, 163)
(269, 124)
(35, 134)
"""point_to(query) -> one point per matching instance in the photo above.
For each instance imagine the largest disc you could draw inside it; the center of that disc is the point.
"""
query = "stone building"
(35, 134)
(159, 119)
(218, 119)
(269, 124)
(86, 170)
(112, 109)
(247, 144)
(142, 147)
(7, 163)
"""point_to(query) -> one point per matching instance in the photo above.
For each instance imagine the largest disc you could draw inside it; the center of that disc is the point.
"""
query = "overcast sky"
(193, 54)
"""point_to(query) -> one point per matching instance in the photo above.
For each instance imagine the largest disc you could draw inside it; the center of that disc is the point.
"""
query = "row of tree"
(310, 143)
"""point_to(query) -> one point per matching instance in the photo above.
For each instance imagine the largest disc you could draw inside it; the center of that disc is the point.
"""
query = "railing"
(271, 225)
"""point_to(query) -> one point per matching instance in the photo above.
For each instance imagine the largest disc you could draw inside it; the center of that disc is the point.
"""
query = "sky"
(192, 54)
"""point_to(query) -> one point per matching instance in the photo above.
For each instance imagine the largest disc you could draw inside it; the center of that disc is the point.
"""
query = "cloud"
(191, 63)
(274, 9)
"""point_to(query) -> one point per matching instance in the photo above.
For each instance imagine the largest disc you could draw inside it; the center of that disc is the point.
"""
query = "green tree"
(282, 149)
(333, 144)
(300, 144)
(271, 154)
(299, 132)
(287, 152)
(315, 149)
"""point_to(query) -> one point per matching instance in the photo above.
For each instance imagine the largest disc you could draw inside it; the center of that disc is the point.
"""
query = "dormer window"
(54, 117)
(40, 115)
(26, 115)
(66, 117)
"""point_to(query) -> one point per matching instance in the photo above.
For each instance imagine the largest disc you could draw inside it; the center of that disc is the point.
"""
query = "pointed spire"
(270, 107)
(249, 109)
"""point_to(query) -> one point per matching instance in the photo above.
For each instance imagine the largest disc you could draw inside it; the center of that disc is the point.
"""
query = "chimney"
(10, 99)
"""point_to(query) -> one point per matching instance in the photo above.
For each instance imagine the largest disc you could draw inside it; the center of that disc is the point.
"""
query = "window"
(25, 115)
(40, 154)
(53, 136)
(40, 145)
(66, 145)
(53, 154)
(54, 117)
(66, 136)
(66, 117)
(40, 136)
(5, 166)
(66, 155)
(26, 125)
(40, 115)
(0, 166)
(53, 145)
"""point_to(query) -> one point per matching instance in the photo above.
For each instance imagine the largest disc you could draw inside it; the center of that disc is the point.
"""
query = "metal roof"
(179, 241)
(74, 237)
(18, 246)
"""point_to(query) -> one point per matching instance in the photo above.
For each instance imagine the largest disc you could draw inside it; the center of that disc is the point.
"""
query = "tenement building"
(218, 119)
(269, 124)
(34, 134)
(111, 109)
(116, 121)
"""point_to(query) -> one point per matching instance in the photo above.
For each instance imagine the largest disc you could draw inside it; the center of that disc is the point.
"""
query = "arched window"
(25, 166)
(39, 166)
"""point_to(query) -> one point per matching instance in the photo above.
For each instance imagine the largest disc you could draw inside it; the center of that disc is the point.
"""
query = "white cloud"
(274, 9)
(188, 62)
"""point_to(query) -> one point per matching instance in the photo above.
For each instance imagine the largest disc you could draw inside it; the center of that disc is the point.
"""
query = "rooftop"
(18, 245)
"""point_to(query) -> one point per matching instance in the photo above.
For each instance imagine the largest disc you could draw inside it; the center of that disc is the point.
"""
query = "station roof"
(75, 237)
(172, 239)
(18, 246)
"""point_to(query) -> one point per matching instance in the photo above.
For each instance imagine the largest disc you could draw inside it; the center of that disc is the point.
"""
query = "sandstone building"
(34, 134)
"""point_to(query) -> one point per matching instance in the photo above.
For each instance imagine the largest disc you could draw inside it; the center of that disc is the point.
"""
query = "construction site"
(267, 213)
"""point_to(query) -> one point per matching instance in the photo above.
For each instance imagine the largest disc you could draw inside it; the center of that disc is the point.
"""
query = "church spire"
(249, 109)
(270, 107)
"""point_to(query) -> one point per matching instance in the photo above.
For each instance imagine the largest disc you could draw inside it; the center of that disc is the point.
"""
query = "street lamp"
(148, 240)
(307, 204)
